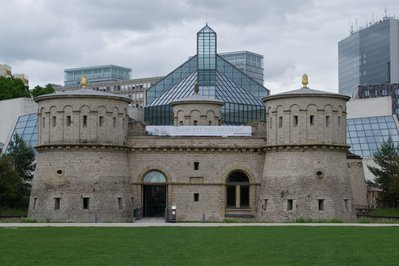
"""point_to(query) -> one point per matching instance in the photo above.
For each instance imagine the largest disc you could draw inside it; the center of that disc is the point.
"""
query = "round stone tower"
(82, 172)
(305, 172)
(197, 110)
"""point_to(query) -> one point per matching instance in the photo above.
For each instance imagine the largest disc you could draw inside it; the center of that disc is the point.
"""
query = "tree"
(22, 157)
(387, 173)
(10, 184)
(38, 90)
(11, 88)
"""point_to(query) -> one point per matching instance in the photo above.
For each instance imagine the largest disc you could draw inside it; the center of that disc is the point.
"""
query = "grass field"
(200, 246)
(385, 212)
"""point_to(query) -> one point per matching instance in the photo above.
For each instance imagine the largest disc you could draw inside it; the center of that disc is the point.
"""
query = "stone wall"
(358, 184)
(71, 174)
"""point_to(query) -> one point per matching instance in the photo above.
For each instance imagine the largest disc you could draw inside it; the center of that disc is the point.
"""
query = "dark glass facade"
(27, 128)
(217, 78)
(365, 135)
(365, 56)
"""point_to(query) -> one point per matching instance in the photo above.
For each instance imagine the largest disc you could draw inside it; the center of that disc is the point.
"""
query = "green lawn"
(200, 246)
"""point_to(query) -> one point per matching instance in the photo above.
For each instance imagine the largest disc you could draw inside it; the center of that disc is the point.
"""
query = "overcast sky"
(42, 37)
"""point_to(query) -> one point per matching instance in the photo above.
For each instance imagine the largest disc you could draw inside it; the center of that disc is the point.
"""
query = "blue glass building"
(27, 128)
(369, 56)
(217, 78)
(96, 74)
(248, 62)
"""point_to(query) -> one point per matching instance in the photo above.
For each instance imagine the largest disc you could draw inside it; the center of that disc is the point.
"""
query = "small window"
(123, 123)
(312, 119)
(290, 204)
(86, 202)
(120, 205)
(210, 123)
(321, 204)
(271, 122)
(132, 201)
(181, 123)
(85, 121)
(34, 203)
(196, 165)
(54, 121)
(327, 121)
(295, 120)
(101, 121)
(68, 120)
(346, 204)
(339, 121)
(264, 204)
(280, 121)
(57, 203)
(195, 122)
(196, 196)
(114, 122)
(44, 122)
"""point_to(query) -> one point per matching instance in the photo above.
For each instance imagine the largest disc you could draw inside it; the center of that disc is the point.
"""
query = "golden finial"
(196, 88)
(83, 82)
(305, 80)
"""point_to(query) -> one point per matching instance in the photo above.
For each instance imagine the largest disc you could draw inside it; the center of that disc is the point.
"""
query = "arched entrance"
(154, 194)
(237, 190)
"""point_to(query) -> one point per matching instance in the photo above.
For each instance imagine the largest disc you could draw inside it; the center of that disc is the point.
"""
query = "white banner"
(223, 131)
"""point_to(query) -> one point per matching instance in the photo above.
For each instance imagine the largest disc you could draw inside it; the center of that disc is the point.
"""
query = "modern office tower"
(96, 74)
(369, 56)
(217, 78)
(248, 62)
(135, 89)
(5, 71)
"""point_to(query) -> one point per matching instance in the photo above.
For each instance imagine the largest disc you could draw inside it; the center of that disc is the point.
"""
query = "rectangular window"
(290, 204)
(295, 120)
(123, 123)
(271, 122)
(210, 123)
(264, 204)
(312, 119)
(120, 206)
(85, 121)
(54, 121)
(339, 121)
(195, 122)
(34, 203)
(181, 123)
(321, 204)
(86, 202)
(346, 204)
(114, 122)
(327, 121)
(196, 165)
(44, 122)
(101, 121)
(196, 196)
(280, 121)
(68, 120)
(57, 203)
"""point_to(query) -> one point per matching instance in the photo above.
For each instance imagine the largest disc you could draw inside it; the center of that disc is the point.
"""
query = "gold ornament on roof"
(305, 80)
(83, 82)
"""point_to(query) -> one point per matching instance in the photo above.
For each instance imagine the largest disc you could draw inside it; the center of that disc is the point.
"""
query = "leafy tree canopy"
(11, 88)
(10, 183)
(38, 90)
(23, 157)
(387, 173)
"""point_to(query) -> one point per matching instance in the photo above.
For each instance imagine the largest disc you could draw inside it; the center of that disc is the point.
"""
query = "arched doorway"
(237, 190)
(154, 194)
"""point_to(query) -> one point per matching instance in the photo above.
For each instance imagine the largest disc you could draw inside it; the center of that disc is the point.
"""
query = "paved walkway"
(150, 223)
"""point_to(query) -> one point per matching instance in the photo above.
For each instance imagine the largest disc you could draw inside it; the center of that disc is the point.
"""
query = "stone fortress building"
(93, 166)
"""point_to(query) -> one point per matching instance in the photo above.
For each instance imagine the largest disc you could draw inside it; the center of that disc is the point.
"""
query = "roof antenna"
(206, 18)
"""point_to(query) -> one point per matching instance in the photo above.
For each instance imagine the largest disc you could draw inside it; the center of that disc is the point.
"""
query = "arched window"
(154, 177)
(237, 190)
